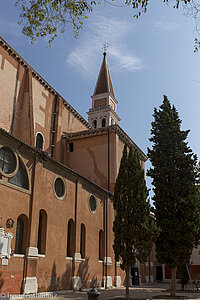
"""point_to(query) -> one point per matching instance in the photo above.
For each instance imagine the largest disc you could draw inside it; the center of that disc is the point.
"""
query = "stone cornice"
(99, 131)
(101, 109)
(42, 81)
(71, 174)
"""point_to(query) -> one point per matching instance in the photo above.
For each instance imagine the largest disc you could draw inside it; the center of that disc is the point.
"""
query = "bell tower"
(103, 112)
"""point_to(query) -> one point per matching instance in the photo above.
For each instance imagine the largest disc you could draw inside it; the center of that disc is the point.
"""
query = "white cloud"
(126, 61)
(165, 25)
(103, 30)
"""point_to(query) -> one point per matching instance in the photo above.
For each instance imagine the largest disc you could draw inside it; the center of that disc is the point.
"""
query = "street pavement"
(138, 292)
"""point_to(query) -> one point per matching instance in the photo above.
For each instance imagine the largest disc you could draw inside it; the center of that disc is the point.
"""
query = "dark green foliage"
(176, 198)
(197, 170)
(134, 229)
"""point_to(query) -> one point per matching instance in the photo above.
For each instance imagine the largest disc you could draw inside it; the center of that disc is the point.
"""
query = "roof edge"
(103, 130)
(46, 157)
(11, 51)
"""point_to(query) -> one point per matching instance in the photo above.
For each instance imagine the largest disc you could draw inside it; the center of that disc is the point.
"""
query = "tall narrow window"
(95, 123)
(39, 141)
(21, 234)
(70, 238)
(82, 241)
(42, 229)
(101, 244)
(103, 122)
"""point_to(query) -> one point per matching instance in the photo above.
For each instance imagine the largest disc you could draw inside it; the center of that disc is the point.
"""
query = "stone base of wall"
(149, 280)
(118, 281)
(109, 281)
(76, 283)
(30, 285)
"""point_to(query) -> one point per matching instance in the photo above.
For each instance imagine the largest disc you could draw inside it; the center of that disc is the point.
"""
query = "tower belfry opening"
(103, 112)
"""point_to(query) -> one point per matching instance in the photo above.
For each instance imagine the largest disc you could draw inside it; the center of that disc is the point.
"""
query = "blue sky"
(148, 58)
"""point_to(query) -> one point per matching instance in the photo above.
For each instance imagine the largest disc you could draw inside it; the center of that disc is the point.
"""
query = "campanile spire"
(103, 111)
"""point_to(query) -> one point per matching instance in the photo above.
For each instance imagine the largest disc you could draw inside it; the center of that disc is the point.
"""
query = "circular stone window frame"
(92, 212)
(65, 187)
(10, 175)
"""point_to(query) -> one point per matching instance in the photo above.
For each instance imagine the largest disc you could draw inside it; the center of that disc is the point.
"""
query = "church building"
(57, 176)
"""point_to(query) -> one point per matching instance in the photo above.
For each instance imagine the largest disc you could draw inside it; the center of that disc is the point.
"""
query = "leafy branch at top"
(41, 18)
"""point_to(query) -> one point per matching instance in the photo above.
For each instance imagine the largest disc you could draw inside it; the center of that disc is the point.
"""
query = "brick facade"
(83, 161)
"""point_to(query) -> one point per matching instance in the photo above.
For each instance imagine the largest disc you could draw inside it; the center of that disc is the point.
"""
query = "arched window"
(70, 238)
(101, 244)
(82, 241)
(42, 230)
(39, 141)
(8, 162)
(95, 123)
(21, 234)
(103, 122)
(21, 177)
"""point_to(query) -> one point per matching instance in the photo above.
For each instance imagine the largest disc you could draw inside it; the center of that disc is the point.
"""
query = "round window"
(8, 161)
(92, 204)
(59, 187)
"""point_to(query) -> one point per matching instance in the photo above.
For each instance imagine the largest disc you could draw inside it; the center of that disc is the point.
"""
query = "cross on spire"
(105, 47)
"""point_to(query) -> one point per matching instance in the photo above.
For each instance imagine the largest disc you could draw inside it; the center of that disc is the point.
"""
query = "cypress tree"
(176, 198)
(134, 229)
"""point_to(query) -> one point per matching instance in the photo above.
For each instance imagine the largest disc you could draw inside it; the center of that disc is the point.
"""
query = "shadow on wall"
(1, 274)
(64, 282)
(1, 281)
(87, 280)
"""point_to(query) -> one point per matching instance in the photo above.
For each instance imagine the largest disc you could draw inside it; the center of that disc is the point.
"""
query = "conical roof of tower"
(104, 82)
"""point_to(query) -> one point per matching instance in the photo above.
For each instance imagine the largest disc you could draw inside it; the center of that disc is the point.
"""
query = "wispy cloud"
(10, 28)
(12, 32)
(165, 25)
(102, 30)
